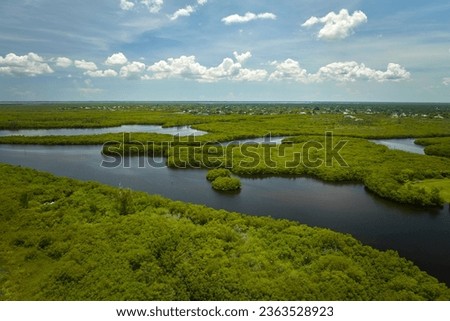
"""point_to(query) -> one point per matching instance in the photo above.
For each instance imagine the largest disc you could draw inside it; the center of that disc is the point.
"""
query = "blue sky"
(258, 50)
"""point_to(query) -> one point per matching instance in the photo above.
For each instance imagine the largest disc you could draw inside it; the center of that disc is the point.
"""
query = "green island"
(221, 180)
(63, 239)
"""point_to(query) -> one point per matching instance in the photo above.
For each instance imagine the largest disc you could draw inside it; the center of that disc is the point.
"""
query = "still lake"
(421, 235)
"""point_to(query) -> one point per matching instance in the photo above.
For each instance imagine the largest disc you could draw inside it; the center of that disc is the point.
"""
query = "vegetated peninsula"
(63, 239)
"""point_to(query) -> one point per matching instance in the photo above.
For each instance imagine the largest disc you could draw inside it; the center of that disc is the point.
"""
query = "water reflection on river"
(180, 130)
(404, 144)
(421, 235)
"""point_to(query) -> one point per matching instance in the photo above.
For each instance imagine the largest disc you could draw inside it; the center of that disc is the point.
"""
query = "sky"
(211, 50)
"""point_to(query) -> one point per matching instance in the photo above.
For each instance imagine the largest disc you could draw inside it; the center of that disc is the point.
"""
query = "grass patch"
(443, 185)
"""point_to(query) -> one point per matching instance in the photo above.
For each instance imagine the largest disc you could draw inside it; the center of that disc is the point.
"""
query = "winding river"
(421, 235)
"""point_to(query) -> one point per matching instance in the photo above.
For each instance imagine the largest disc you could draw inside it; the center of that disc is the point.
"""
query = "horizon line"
(6, 102)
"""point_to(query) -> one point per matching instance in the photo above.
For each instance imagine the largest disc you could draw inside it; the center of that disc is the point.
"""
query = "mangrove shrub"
(216, 173)
(226, 184)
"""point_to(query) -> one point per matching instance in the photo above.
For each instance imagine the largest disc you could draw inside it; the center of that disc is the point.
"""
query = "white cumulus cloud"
(154, 6)
(132, 70)
(251, 75)
(351, 71)
(86, 65)
(187, 67)
(188, 10)
(394, 72)
(289, 70)
(446, 81)
(116, 59)
(337, 25)
(249, 16)
(126, 5)
(241, 58)
(183, 12)
(30, 64)
(63, 62)
(182, 67)
(227, 69)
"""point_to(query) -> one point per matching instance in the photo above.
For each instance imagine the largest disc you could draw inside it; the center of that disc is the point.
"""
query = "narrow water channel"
(404, 144)
(181, 130)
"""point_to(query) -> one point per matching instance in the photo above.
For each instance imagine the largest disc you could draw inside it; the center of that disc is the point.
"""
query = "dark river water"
(421, 235)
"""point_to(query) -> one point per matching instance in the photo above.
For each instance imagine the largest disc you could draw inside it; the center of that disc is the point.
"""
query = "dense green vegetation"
(439, 146)
(216, 173)
(226, 184)
(228, 122)
(88, 115)
(443, 185)
(63, 239)
(221, 180)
